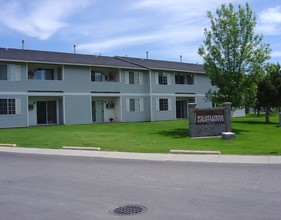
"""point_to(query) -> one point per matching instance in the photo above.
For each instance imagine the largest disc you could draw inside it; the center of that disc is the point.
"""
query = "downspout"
(27, 98)
(121, 96)
(150, 96)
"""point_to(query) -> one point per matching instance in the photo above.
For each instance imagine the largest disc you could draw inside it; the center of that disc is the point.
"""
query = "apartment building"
(47, 88)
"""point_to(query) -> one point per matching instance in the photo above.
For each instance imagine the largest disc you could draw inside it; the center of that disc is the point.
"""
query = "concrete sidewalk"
(147, 156)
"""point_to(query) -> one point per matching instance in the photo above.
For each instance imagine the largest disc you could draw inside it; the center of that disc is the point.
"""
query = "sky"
(167, 29)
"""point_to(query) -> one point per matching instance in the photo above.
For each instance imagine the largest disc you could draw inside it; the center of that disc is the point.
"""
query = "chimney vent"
(74, 48)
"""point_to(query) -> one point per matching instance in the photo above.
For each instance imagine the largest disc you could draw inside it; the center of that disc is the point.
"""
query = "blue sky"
(167, 29)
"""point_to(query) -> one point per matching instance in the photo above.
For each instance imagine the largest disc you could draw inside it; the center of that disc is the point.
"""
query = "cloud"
(271, 15)
(270, 21)
(276, 54)
(39, 19)
(168, 25)
(110, 44)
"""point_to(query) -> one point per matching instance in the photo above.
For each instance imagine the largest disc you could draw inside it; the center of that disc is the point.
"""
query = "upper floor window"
(10, 72)
(184, 78)
(179, 79)
(162, 78)
(45, 74)
(134, 78)
(96, 76)
(190, 78)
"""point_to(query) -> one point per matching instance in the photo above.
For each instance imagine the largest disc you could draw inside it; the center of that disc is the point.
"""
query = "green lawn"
(253, 137)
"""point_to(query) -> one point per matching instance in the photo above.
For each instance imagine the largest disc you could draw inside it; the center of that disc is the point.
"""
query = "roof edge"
(128, 61)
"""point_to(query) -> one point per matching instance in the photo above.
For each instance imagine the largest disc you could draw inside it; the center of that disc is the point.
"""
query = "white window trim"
(18, 106)
(169, 78)
(158, 105)
(138, 75)
(140, 104)
(13, 72)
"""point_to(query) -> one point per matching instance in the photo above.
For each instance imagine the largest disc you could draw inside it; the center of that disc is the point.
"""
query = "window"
(134, 78)
(163, 104)
(10, 72)
(96, 76)
(184, 78)
(135, 105)
(190, 80)
(179, 79)
(162, 78)
(3, 72)
(45, 74)
(7, 106)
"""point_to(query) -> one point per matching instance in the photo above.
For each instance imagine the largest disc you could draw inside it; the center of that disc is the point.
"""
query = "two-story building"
(46, 88)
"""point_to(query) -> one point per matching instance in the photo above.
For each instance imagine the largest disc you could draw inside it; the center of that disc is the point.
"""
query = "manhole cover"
(128, 210)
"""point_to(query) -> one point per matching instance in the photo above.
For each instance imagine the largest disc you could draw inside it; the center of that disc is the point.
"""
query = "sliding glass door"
(46, 112)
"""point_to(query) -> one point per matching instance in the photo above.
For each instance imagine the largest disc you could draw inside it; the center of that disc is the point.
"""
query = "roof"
(63, 58)
(166, 65)
(20, 55)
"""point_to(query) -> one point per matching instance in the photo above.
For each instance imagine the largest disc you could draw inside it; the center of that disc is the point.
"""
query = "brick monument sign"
(209, 121)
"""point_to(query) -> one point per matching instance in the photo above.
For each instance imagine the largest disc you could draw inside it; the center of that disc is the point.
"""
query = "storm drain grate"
(128, 210)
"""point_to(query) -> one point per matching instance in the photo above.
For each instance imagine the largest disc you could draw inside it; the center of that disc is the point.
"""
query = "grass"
(253, 137)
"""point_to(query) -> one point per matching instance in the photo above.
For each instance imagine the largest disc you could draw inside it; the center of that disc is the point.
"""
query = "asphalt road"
(40, 187)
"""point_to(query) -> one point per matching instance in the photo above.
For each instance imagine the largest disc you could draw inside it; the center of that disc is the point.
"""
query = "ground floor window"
(163, 104)
(134, 105)
(7, 106)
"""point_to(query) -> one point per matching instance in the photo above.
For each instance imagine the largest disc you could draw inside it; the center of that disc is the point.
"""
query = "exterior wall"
(169, 114)
(32, 113)
(110, 113)
(135, 116)
(202, 103)
(15, 90)
(77, 79)
(78, 109)
(142, 88)
(75, 91)
(20, 119)
(171, 91)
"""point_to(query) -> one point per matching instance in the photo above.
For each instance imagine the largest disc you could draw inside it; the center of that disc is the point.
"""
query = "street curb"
(81, 148)
(194, 152)
(8, 145)
(233, 159)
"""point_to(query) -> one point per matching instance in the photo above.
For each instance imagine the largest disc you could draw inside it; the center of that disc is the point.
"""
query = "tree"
(234, 56)
(269, 90)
